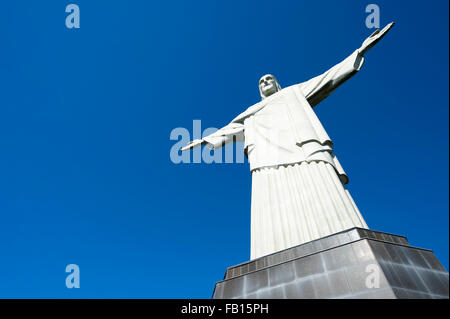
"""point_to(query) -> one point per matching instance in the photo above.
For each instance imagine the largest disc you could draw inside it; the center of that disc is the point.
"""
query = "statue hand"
(192, 144)
(374, 38)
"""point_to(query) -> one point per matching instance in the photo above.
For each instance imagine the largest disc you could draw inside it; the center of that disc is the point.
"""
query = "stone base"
(356, 263)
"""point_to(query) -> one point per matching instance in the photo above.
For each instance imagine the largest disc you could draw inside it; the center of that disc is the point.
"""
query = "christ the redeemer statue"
(298, 185)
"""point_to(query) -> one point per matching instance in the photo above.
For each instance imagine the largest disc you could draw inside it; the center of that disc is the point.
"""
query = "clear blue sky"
(86, 114)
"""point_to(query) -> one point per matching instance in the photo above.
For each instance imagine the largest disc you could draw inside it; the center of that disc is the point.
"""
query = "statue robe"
(298, 191)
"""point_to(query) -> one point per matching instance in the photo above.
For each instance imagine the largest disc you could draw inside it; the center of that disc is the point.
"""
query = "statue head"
(268, 85)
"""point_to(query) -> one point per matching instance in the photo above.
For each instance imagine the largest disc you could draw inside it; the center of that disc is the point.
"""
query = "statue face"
(268, 85)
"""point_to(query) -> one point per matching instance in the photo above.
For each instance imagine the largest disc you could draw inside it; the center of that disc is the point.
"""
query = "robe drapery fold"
(294, 204)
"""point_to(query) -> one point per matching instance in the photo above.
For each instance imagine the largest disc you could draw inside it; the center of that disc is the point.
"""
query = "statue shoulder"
(291, 87)
(249, 112)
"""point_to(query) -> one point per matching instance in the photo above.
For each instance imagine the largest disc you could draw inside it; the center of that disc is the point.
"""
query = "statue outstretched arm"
(227, 134)
(320, 87)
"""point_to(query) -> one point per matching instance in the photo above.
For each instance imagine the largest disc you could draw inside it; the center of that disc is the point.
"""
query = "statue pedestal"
(356, 263)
